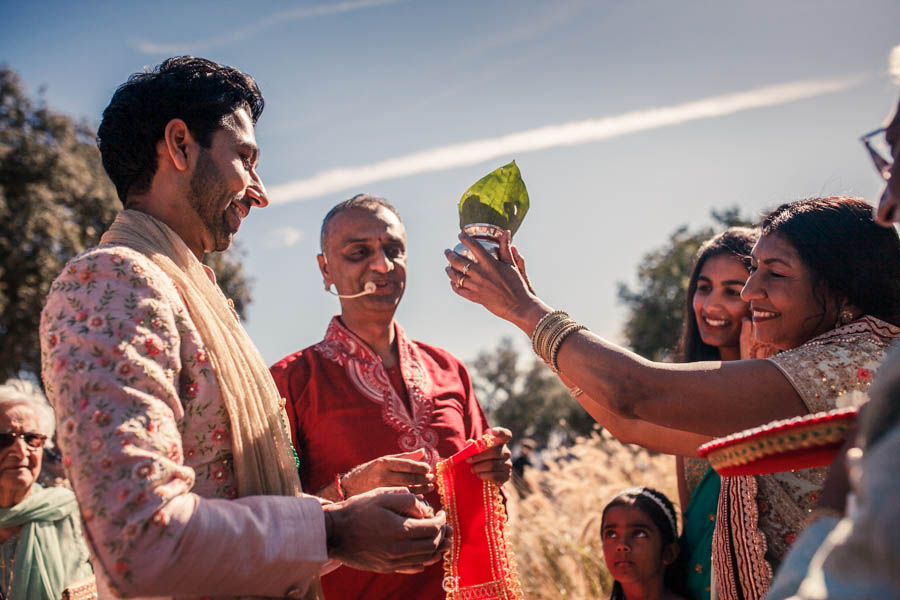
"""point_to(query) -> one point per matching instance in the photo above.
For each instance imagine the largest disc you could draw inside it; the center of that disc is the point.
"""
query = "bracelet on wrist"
(557, 343)
(549, 335)
(539, 330)
(546, 332)
(338, 479)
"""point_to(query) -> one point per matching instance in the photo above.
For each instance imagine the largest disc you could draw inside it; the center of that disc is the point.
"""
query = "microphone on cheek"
(369, 288)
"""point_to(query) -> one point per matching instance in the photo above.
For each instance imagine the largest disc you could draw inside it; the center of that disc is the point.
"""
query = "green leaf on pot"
(499, 198)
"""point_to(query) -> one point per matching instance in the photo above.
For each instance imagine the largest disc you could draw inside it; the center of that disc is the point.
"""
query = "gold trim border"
(507, 586)
(779, 442)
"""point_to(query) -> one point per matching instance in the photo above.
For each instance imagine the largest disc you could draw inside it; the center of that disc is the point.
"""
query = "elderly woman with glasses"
(42, 550)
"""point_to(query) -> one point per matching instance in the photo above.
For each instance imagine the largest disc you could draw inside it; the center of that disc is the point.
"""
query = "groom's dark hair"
(198, 91)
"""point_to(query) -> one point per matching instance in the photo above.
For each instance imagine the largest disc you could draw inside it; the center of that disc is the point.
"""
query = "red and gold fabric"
(784, 445)
(346, 409)
(480, 565)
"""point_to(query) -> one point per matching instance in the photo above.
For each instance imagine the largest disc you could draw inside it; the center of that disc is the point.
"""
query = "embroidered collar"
(366, 370)
(865, 325)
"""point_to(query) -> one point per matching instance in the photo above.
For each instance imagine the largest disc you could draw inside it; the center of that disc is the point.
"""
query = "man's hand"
(494, 464)
(386, 530)
(406, 470)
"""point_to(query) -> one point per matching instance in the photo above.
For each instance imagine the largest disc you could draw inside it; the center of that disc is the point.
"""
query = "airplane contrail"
(894, 64)
(550, 136)
(300, 13)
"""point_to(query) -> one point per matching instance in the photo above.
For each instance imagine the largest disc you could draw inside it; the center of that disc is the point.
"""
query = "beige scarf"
(263, 462)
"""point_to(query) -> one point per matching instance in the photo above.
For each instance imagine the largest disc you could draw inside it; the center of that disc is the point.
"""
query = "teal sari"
(697, 535)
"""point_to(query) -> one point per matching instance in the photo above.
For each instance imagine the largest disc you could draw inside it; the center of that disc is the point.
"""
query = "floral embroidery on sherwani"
(766, 511)
(139, 413)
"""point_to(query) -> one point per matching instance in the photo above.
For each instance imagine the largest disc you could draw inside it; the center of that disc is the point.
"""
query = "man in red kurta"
(368, 406)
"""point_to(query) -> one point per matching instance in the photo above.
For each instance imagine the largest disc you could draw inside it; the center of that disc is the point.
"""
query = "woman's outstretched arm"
(707, 398)
(643, 433)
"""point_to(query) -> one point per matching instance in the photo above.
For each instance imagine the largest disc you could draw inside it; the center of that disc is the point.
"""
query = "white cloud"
(894, 64)
(550, 136)
(283, 237)
(236, 35)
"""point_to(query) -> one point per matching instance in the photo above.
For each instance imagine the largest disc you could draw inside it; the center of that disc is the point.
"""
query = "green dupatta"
(51, 552)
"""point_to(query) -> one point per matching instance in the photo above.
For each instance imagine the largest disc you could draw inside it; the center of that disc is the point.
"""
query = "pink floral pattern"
(138, 407)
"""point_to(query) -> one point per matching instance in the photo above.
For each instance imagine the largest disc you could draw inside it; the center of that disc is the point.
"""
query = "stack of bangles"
(548, 336)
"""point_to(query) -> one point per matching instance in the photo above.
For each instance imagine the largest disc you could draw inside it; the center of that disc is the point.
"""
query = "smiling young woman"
(717, 305)
(714, 319)
(836, 311)
(714, 310)
(715, 315)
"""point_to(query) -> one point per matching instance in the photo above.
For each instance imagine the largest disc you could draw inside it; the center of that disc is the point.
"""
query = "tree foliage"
(531, 402)
(656, 304)
(55, 201)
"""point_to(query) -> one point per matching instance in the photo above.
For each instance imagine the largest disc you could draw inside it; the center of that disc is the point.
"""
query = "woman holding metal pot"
(824, 289)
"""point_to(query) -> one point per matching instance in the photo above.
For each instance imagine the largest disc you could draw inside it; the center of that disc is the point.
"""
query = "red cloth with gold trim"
(345, 409)
(480, 565)
(802, 442)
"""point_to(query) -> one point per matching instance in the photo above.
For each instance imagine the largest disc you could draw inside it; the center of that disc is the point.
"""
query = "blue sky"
(415, 100)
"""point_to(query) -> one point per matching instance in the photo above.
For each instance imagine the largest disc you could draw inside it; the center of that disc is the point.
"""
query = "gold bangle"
(546, 318)
(557, 334)
(547, 322)
(540, 325)
(557, 344)
(545, 343)
(542, 331)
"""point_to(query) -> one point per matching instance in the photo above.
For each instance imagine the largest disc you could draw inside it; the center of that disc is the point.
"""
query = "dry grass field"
(555, 531)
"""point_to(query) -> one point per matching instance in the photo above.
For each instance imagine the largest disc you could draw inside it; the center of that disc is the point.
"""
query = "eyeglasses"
(877, 152)
(35, 440)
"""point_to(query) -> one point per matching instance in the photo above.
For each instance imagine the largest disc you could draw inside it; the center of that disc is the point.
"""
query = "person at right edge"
(850, 549)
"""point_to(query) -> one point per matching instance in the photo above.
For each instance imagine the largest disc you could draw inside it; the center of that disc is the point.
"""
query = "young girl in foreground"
(639, 535)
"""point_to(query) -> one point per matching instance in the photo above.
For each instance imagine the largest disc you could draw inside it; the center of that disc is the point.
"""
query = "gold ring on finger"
(461, 280)
(466, 268)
